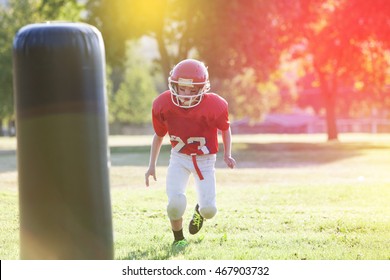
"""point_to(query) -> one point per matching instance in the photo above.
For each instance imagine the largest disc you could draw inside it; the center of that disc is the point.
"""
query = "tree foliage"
(240, 43)
(347, 43)
(132, 102)
(13, 16)
(232, 36)
(123, 20)
(248, 97)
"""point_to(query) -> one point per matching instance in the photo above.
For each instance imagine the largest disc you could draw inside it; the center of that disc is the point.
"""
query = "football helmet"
(188, 73)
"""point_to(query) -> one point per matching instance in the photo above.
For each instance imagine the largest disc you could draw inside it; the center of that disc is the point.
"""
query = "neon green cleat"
(179, 245)
(196, 222)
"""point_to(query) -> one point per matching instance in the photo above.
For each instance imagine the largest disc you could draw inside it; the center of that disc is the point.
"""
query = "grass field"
(291, 197)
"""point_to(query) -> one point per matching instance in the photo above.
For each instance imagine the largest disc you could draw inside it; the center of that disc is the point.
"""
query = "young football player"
(192, 116)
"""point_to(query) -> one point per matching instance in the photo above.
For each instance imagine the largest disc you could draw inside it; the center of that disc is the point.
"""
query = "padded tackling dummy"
(64, 194)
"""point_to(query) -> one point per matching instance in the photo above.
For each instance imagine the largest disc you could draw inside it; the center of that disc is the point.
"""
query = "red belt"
(196, 167)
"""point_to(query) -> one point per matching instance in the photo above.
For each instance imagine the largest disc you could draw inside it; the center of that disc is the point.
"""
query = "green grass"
(292, 197)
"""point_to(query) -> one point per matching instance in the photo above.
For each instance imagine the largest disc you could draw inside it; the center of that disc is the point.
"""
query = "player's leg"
(176, 182)
(206, 192)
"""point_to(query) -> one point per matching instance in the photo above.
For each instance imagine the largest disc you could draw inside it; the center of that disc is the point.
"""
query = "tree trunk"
(164, 56)
(331, 115)
(116, 76)
(329, 94)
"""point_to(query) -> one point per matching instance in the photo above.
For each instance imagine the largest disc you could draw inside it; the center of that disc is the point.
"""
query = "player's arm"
(227, 146)
(154, 153)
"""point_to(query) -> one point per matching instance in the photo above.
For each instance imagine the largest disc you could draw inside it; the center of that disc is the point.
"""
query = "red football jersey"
(191, 130)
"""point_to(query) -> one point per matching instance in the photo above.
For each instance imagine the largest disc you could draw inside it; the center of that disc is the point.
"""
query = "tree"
(239, 41)
(233, 36)
(13, 16)
(60, 9)
(231, 29)
(132, 102)
(248, 97)
(124, 20)
(341, 38)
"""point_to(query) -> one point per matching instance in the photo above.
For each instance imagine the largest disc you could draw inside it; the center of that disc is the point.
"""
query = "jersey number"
(181, 144)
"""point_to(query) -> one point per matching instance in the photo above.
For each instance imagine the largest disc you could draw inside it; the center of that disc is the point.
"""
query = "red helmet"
(189, 73)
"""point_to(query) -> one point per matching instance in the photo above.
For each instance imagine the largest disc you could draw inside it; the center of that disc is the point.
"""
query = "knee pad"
(208, 212)
(176, 206)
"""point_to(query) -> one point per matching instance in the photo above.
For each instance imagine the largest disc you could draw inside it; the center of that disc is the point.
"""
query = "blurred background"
(285, 66)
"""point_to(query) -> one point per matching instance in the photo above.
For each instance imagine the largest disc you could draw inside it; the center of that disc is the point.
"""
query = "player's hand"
(230, 162)
(150, 172)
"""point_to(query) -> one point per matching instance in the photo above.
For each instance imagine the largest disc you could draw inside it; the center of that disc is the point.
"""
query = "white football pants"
(179, 170)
